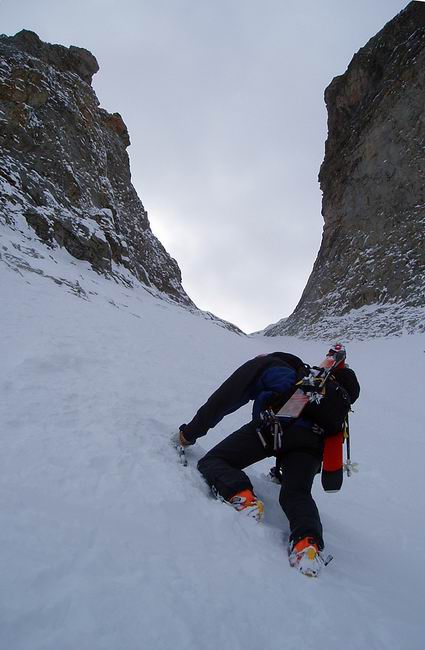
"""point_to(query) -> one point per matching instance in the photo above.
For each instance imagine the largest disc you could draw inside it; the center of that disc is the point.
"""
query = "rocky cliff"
(64, 169)
(369, 275)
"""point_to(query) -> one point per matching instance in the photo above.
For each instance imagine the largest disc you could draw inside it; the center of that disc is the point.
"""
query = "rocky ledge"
(64, 168)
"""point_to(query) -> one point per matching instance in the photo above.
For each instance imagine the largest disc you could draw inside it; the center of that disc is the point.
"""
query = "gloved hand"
(178, 439)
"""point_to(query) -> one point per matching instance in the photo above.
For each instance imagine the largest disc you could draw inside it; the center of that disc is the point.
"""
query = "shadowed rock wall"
(369, 275)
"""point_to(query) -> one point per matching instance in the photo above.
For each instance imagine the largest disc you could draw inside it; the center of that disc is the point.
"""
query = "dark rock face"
(369, 276)
(65, 168)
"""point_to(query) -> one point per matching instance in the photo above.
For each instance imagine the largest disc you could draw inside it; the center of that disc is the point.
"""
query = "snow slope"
(107, 543)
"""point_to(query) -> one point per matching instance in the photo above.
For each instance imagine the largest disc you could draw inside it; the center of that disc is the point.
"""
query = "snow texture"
(107, 542)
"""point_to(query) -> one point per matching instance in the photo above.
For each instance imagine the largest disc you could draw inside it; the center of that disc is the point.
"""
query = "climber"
(270, 381)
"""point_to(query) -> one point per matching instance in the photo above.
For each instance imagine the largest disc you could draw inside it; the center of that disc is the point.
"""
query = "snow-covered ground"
(108, 543)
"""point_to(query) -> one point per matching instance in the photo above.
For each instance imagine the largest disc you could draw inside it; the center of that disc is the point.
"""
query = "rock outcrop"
(369, 275)
(64, 165)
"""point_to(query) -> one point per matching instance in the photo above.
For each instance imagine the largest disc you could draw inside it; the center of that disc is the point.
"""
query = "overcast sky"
(223, 100)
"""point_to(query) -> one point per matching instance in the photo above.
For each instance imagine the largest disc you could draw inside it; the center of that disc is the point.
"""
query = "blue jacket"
(273, 380)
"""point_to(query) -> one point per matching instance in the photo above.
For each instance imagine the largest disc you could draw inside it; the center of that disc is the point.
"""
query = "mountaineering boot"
(247, 502)
(305, 556)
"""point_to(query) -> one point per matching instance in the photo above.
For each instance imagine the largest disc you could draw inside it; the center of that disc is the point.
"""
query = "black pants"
(222, 469)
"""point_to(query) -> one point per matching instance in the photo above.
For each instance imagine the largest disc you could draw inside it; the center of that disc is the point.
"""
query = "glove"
(179, 440)
(183, 441)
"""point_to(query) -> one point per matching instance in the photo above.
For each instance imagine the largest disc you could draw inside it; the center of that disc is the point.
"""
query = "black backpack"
(332, 410)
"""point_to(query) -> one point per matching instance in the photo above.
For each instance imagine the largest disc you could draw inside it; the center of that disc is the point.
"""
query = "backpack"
(332, 410)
